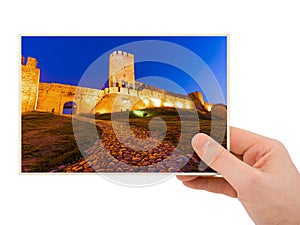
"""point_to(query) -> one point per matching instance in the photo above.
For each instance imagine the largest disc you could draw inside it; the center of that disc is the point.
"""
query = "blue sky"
(64, 59)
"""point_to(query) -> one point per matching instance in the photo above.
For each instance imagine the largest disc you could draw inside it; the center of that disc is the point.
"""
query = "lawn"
(48, 141)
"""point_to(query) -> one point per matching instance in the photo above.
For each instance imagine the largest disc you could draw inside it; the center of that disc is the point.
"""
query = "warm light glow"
(156, 102)
(188, 106)
(125, 101)
(168, 104)
(146, 102)
(179, 104)
(208, 107)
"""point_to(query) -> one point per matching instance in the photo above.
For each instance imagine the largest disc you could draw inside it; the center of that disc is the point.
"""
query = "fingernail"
(195, 141)
(206, 148)
(199, 143)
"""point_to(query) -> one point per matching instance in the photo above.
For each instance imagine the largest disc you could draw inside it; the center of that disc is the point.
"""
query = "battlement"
(122, 94)
(31, 62)
(121, 53)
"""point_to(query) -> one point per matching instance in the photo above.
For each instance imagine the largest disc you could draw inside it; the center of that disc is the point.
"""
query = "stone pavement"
(109, 154)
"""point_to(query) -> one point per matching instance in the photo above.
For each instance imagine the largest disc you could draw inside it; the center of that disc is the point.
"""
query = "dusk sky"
(64, 59)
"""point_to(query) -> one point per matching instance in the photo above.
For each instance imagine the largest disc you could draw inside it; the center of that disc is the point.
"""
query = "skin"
(258, 171)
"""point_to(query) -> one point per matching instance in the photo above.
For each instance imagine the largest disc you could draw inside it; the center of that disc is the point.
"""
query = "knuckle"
(219, 158)
(276, 144)
(277, 147)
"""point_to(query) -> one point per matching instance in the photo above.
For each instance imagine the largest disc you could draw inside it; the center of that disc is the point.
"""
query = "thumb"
(218, 158)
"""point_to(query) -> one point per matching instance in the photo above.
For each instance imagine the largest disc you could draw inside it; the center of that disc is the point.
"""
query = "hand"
(259, 172)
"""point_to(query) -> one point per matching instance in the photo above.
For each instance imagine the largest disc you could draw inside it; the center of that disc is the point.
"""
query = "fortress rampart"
(52, 97)
(122, 94)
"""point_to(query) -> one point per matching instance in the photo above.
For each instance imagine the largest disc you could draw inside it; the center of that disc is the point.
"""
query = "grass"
(48, 141)
(173, 118)
(167, 112)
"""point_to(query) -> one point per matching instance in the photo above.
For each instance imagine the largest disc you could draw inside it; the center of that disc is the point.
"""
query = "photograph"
(121, 104)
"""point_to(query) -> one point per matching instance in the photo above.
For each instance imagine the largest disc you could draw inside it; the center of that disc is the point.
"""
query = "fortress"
(122, 94)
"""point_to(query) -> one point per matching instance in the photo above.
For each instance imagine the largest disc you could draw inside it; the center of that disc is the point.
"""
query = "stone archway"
(70, 108)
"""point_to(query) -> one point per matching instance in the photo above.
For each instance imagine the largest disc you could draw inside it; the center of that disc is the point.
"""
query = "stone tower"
(30, 84)
(121, 70)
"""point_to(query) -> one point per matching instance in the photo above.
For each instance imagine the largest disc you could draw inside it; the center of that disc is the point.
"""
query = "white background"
(264, 91)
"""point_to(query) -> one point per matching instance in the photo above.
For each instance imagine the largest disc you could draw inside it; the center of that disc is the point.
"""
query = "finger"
(212, 184)
(242, 140)
(214, 155)
(240, 157)
(186, 177)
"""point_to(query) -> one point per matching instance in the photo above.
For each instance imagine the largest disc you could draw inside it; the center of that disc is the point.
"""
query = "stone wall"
(52, 97)
(30, 84)
(197, 98)
(116, 100)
